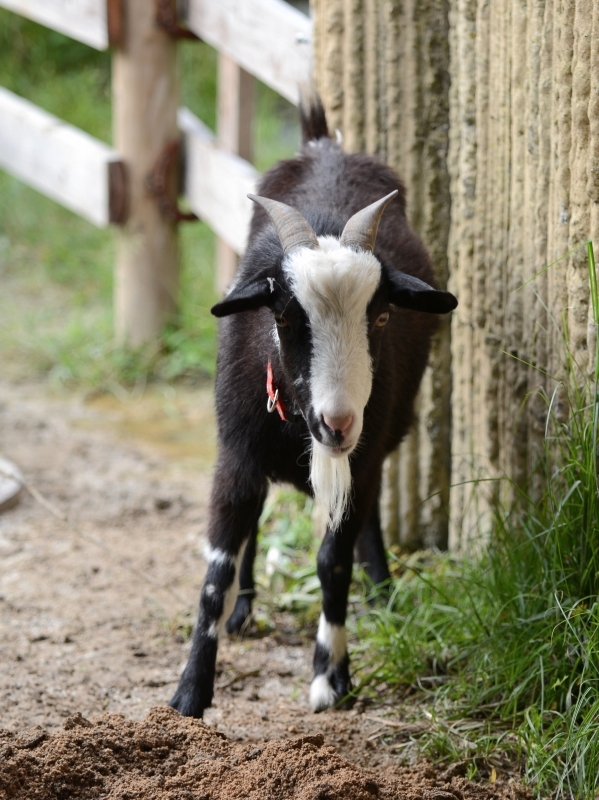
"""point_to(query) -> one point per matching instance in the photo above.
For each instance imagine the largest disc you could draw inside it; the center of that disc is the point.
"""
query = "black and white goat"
(324, 325)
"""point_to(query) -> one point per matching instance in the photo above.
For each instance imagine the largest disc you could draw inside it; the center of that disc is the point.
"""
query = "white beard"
(331, 482)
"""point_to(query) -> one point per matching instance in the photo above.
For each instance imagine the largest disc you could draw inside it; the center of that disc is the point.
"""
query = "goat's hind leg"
(232, 519)
(370, 548)
(243, 606)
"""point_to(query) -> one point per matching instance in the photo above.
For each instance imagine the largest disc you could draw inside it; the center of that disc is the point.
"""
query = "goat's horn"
(293, 230)
(361, 229)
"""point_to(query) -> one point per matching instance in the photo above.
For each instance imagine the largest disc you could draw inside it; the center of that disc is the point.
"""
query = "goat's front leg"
(331, 679)
(234, 514)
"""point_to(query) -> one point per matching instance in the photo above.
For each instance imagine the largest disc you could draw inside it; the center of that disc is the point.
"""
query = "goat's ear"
(409, 292)
(246, 297)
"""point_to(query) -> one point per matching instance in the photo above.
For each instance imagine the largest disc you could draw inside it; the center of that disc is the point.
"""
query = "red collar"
(274, 398)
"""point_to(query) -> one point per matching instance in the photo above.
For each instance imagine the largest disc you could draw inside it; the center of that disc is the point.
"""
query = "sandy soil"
(99, 580)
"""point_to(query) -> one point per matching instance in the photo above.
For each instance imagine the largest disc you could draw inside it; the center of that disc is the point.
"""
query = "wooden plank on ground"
(84, 20)
(55, 158)
(216, 182)
(268, 38)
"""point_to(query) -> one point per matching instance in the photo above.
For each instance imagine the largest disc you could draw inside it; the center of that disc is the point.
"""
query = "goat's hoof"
(240, 617)
(328, 691)
(189, 703)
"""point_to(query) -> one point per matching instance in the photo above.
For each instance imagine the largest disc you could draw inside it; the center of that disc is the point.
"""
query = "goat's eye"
(382, 320)
(281, 321)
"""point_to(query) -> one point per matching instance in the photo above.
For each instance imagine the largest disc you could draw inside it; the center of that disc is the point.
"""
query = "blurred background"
(56, 268)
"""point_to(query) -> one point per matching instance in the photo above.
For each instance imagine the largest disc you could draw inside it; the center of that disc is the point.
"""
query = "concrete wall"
(490, 113)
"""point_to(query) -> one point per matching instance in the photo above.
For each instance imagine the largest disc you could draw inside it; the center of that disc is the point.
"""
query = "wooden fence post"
(145, 100)
(234, 132)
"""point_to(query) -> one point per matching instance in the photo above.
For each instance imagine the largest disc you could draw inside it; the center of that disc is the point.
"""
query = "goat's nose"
(338, 424)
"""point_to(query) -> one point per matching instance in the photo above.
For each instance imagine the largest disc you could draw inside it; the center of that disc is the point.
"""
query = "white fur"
(333, 638)
(334, 286)
(331, 482)
(274, 335)
(216, 556)
(322, 694)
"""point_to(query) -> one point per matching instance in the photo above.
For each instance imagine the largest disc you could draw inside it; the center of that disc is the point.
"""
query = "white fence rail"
(268, 38)
(84, 20)
(60, 161)
(216, 183)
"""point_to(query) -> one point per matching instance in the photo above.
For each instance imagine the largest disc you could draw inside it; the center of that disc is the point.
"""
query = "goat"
(324, 324)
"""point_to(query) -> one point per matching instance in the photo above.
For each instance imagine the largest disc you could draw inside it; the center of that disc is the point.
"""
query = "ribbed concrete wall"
(382, 70)
(490, 113)
(523, 161)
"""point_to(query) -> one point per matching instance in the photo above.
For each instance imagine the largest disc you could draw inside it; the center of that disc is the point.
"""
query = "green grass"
(56, 270)
(502, 653)
(286, 565)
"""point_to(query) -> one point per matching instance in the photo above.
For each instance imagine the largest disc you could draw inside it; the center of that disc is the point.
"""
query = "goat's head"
(330, 300)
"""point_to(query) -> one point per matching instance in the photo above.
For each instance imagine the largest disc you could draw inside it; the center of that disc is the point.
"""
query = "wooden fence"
(134, 183)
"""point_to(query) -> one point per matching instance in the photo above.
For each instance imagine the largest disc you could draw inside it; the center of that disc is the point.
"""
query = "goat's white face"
(321, 303)
(334, 285)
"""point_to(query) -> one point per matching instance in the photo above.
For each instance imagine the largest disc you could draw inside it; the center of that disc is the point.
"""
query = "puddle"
(178, 422)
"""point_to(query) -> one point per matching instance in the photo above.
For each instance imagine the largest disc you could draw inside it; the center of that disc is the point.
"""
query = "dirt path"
(97, 591)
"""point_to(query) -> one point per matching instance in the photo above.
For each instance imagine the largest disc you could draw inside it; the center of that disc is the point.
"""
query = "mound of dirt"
(171, 757)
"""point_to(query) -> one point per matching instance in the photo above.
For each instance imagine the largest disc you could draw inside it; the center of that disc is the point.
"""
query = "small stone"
(76, 721)
(30, 737)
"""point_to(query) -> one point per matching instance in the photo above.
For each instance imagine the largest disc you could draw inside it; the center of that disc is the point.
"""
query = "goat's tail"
(313, 119)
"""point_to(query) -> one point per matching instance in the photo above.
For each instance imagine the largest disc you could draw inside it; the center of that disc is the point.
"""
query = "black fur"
(255, 447)
(313, 120)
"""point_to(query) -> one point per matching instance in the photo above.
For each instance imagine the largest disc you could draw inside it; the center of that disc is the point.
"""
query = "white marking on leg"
(322, 694)
(214, 555)
(333, 638)
(222, 558)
